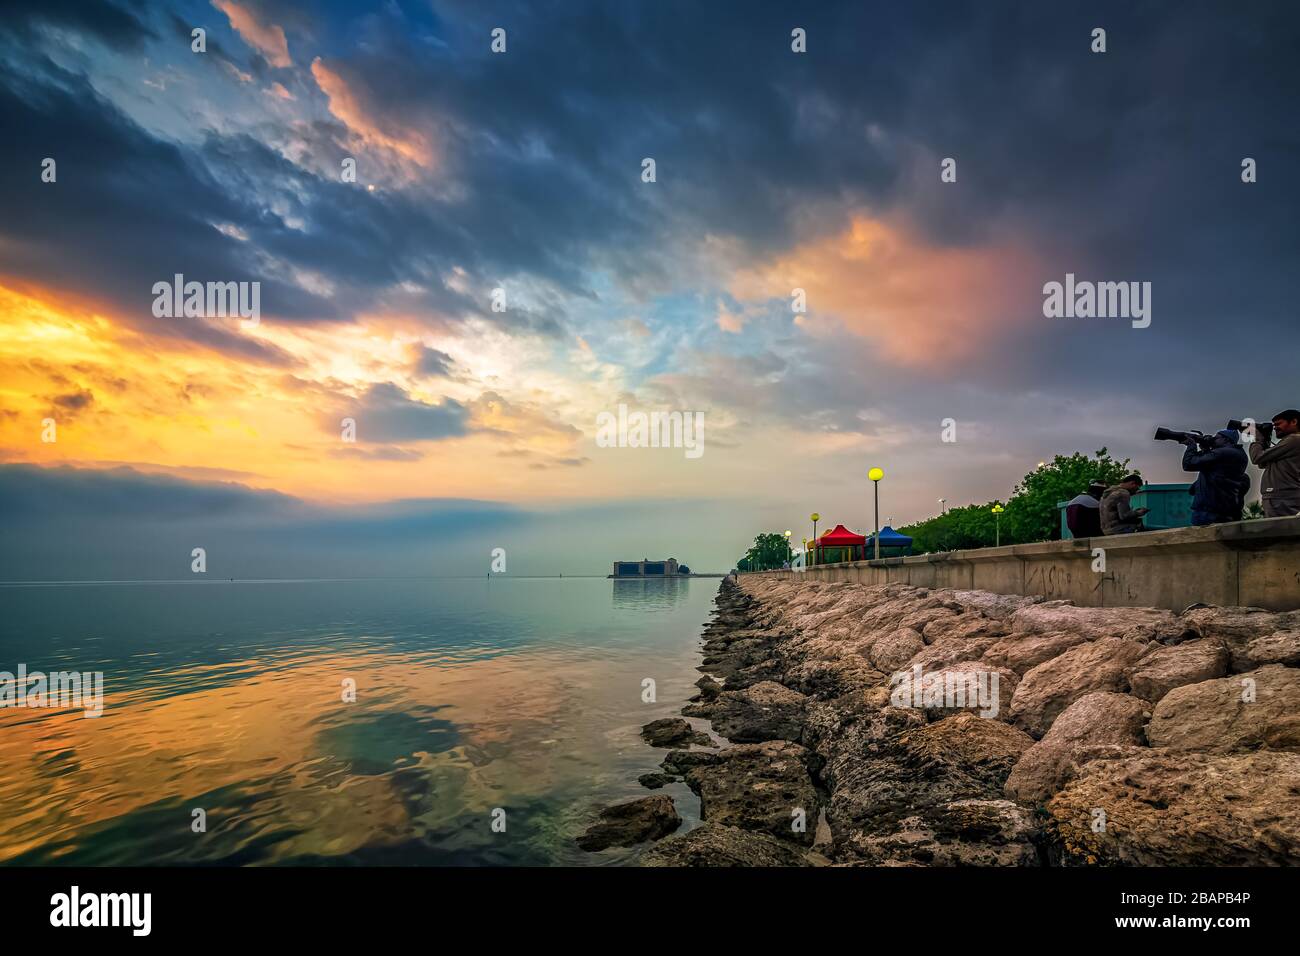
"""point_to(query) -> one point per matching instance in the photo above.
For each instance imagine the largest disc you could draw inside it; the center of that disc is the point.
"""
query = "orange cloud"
(347, 107)
(925, 305)
(266, 38)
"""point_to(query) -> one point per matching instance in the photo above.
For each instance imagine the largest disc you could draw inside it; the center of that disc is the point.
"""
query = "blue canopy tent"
(892, 544)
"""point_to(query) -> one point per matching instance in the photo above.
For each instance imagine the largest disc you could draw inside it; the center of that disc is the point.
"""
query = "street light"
(875, 474)
(997, 522)
(943, 509)
(789, 553)
(815, 518)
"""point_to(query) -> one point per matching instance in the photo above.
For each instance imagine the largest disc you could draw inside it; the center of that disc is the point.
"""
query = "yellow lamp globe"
(875, 474)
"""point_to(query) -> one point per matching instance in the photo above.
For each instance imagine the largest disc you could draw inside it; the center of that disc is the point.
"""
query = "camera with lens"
(1263, 429)
(1169, 434)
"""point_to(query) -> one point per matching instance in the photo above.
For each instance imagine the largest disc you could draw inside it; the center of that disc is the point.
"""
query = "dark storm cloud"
(434, 363)
(1123, 165)
(69, 523)
(387, 414)
(126, 211)
(32, 494)
(107, 22)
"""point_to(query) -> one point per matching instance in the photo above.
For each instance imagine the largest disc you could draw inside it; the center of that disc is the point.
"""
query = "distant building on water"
(646, 568)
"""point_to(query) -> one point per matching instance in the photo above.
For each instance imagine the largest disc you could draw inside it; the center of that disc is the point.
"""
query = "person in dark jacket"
(1083, 512)
(1219, 492)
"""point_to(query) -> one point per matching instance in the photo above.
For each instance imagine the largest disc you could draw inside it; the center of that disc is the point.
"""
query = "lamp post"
(875, 474)
(997, 523)
(943, 506)
(815, 518)
(789, 552)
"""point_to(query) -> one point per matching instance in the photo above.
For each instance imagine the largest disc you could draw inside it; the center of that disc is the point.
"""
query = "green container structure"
(1171, 507)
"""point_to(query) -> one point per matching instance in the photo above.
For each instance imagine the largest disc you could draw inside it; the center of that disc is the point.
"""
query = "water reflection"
(526, 698)
(650, 594)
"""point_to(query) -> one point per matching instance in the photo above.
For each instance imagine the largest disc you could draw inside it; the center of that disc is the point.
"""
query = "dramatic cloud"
(499, 273)
(386, 414)
(267, 38)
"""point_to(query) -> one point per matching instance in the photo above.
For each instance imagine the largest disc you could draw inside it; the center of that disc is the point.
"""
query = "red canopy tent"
(854, 545)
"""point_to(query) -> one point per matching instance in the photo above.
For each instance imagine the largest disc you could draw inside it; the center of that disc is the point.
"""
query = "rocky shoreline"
(905, 726)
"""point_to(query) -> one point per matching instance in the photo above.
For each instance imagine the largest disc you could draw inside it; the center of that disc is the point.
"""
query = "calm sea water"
(472, 695)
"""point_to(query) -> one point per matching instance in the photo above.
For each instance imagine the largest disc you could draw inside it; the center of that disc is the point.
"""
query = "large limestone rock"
(1131, 623)
(759, 787)
(964, 686)
(626, 824)
(1164, 808)
(828, 679)
(763, 711)
(913, 772)
(950, 650)
(892, 651)
(1023, 652)
(1094, 719)
(1054, 685)
(674, 732)
(1281, 647)
(960, 833)
(1170, 666)
(1000, 607)
(1237, 627)
(1218, 714)
(679, 761)
(967, 626)
(713, 844)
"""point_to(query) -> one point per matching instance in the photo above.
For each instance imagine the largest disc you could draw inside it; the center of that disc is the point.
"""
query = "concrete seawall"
(1244, 563)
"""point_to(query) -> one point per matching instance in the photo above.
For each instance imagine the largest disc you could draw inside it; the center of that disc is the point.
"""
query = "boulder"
(1238, 626)
(713, 844)
(1220, 714)
(950, 650)
(759, 787)
(922, 618)
(679, 761)
(960, 833)
(968, 626)
(763, 711)
(709, 688)
(999, 607)
(914, 772)
(654, 781)
(1168, 666)
(1163, 808)
(1281, 647)
(1054, 685)
(969, 686)
(892, 651)
(1130, 623)
(626, 824)
(1023, 652)
(827, 679)
(1094, 719)
(674, 732)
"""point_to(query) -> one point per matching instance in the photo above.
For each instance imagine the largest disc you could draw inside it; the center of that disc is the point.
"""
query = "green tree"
(1032, 514)
(968, 526)
(768, 551)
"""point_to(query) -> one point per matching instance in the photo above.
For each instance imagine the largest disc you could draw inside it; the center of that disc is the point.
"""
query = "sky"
(500, 273)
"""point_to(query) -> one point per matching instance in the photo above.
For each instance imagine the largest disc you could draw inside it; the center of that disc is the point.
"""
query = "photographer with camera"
(1280, 488)
(1219, 492)
(1117, 517)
